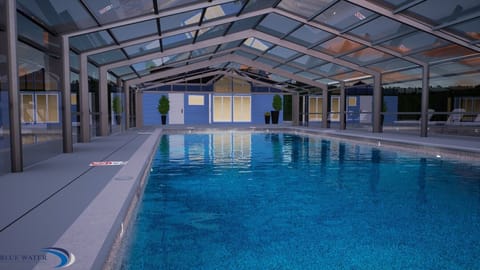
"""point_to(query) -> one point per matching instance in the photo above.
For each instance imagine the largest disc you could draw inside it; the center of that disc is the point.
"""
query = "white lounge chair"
(455, 117)
(416, 122)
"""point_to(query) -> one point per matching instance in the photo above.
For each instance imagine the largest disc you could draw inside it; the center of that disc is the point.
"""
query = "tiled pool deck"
(63, 202)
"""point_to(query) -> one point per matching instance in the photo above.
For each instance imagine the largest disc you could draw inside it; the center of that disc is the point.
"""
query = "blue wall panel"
(196, 114)
(150, 113)
(260, 105)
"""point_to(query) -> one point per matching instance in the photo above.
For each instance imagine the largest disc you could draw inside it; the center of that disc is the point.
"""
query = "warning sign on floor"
(107, 163)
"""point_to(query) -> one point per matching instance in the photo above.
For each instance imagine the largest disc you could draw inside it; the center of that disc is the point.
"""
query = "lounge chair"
(455, 117)
(416, 122)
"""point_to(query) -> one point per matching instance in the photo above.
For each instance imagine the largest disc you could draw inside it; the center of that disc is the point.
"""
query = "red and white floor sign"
(107, 163)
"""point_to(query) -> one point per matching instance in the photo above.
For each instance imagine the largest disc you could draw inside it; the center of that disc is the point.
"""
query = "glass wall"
(40, 91)
(4, 113)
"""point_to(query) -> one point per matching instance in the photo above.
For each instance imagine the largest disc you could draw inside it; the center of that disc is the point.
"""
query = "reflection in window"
(107, 11)
(342, 15)
(277, 25)
(305, 8)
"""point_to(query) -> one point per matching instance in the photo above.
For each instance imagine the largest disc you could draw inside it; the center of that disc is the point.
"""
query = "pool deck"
(64, 202)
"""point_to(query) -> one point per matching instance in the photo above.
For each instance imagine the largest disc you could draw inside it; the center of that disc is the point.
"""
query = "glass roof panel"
(168, 4)
(129, 77)
(355, 75)
(392, 3)
(135, 30)
(254, 5)
(30, 30)
(177, 40)
(331, 69)
(175, 58)
(343, 15)
(326, 81)
(224, 10)
(308, 75)
(414, 42)
(122, 71)
(244, 24)
(277, 78)
(142, 49)
(289, 68)
(305, 8)
(277, 25)
(402, 76)
(147, 64)
(468, 29)
(245, 54)
(211, 32)
(390, 65)
(230, 45)
(367, 56)
(380, 28)
(450, 68)
(108, 57)
(338, 46)
(267, 61)
(308, 61)
(257, 44)
(203, 51)
(60, 15)
(282, 52)
(91, 41)
(107, 11)
(308, 36)
(442, 53)
(179, 20)
(433, 13)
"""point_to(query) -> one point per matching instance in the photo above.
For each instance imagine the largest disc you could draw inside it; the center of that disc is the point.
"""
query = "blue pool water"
(280, 201)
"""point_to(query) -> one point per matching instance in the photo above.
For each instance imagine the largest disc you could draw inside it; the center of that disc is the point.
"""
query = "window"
(222, 109)
(39, 108)
(196, 100)
(315, 108)
(242, 109)
(352, 101)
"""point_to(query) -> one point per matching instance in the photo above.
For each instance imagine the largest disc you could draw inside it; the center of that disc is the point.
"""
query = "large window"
(315, 108)
(222, 109)
(242, 109)
(39, 108)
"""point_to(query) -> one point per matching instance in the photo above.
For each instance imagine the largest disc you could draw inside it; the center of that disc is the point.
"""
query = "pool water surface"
(282, 201)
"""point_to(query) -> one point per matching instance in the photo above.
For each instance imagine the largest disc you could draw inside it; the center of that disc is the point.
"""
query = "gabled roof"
(297, 43)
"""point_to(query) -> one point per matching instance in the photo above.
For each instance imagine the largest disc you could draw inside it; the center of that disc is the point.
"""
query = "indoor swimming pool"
(284, 201)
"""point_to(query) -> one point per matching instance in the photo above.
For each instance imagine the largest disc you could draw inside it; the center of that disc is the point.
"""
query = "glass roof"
(365, 41)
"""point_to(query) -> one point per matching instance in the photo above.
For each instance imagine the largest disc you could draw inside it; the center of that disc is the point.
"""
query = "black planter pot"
(267, 119)
(164, 119)
(275, 115)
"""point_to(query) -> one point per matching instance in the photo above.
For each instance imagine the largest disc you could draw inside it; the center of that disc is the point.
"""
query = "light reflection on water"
(280, 201)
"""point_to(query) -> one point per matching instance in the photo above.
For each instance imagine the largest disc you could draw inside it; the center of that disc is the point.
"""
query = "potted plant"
(277, 106)
(267, 118)
(163, 108)
(117, 109)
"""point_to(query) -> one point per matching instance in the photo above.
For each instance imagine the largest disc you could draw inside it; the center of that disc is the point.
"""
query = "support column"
(66, 98)
(325, 117)
(377, 103)
(295, 109)
(103, 102)
(16, 155)
(343, 118)
(424, 110)
(139, 108)
(83, 100)
(126, 93)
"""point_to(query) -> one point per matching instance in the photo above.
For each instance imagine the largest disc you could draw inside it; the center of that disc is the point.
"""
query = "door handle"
(182, 111)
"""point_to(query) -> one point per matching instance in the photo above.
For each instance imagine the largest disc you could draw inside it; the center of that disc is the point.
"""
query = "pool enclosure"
(66, 63)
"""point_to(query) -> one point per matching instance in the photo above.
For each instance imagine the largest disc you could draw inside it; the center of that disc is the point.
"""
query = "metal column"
(103, 102)
(16, 155)
(66, 98)
(424, 113)
(126, 93)
(377, 103)
(138, 108)
(343, 118)
(83, 100)
(325, 116)
(295, 109)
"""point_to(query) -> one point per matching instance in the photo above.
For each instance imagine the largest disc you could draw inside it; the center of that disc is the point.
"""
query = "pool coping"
(109, 214)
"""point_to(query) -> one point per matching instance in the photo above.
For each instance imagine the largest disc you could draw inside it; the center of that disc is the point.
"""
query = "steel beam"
(325, 116)
(16, 147)
(103, 102)
(343, 118)
(377, 104)
(126, 93)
